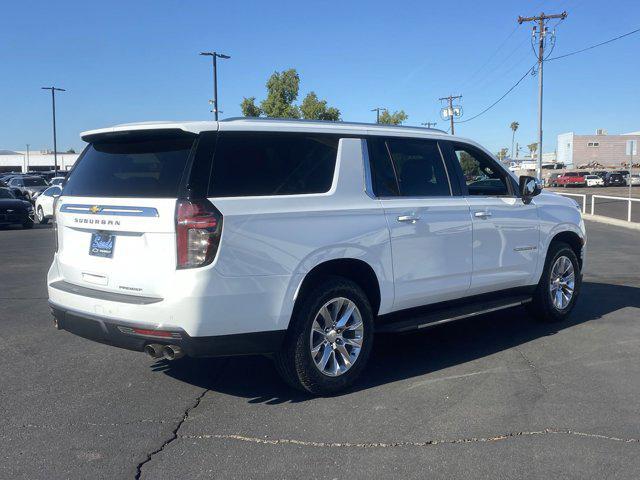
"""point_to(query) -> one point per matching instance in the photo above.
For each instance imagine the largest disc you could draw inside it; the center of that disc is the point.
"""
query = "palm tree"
(533, 147)
(514, 126)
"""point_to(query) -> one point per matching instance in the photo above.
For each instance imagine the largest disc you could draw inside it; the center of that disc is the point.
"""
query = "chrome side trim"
(102, 295)
(123, 211)
(473, 314)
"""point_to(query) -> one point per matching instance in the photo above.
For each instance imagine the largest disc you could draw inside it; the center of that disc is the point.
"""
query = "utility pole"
(214, 56)
(541, 36)
(378, 110)
(27, 166)
(450, 110)
(429, 124)
(53, 103)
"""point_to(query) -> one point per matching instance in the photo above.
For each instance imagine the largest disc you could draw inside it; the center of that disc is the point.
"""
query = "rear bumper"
(112, 332)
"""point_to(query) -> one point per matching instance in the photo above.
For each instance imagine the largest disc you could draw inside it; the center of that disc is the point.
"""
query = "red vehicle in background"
(575, 179)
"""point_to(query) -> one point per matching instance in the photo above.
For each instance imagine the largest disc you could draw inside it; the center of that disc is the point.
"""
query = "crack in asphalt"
(496, 438)
(52, 426)
(533, 369)
(174, 434)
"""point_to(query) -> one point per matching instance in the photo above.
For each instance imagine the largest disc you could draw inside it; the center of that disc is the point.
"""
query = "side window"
(419, 167)
(259, 164)
(383, 178)
(481, 174)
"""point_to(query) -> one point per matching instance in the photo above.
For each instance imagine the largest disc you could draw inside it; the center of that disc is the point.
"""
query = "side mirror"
(529, 188)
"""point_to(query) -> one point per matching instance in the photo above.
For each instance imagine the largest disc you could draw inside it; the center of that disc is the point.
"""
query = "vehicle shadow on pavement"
(401, 356)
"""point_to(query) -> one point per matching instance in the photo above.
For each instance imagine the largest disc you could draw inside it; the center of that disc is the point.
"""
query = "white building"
(19, 161)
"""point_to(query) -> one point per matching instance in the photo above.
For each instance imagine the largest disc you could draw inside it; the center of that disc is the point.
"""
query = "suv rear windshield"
(146, 166)
(259, 164)
(34, 182)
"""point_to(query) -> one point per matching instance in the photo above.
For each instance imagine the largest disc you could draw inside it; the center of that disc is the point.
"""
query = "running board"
(405, 321)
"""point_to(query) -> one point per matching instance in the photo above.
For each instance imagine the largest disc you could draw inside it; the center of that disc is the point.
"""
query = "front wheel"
(559, 285)
(329, 339)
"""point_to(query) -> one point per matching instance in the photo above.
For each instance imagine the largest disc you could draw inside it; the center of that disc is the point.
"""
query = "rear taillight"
(198, 230)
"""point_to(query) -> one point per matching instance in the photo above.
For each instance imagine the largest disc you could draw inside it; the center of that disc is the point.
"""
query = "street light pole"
(377, 110)
(27, 165)
(214, 57)
(53, 104)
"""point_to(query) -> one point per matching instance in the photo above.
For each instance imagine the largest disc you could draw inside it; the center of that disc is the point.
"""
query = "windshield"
(4, 193)
(145, 166)
(34, 182)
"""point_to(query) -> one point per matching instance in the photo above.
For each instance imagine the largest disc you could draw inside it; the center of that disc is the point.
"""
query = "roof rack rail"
(330, 122)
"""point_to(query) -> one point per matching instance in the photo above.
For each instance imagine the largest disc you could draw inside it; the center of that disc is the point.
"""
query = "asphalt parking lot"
(498, 396)
(607, 207)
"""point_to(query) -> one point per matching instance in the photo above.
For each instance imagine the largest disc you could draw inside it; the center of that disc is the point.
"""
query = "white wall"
(565, 148)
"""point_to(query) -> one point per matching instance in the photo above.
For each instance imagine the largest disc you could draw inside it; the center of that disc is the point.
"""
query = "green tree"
(395, 118)
(514, 126)
(470, 166)
(249, 107)
(71, 150)
(502, 154)
(282, 92)
(533, 148)
(313, 108)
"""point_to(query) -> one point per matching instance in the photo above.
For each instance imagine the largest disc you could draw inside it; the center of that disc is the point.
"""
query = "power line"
(491, 57)
(500, 99)
(595, 46)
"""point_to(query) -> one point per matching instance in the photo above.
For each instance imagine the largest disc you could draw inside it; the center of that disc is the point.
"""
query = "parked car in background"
(634, 179)
(30, 187)
(594, 181)
(14, 211)
(57, 180)
(573, 179)
(551, 180)
(614, 179)
(44, 203)
(300, 240)
(624, 173)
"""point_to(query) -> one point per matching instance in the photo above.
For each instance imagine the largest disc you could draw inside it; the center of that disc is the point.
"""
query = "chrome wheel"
(562, 283)
(40, 215)
(336, 336)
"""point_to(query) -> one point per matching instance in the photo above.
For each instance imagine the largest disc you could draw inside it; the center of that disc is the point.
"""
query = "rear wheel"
(559, 285)
(329, 340)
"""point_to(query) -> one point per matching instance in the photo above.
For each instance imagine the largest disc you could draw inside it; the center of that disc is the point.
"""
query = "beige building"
(601, 148)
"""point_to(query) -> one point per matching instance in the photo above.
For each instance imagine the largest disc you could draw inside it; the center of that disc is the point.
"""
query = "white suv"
(299, 240)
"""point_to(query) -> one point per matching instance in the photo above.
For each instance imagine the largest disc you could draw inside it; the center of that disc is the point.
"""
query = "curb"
(611, 221)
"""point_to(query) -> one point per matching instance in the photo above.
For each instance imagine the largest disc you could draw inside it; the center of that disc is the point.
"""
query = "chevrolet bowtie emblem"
(95, 209)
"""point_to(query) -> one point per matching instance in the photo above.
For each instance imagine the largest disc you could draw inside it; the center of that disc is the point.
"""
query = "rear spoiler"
(137, 133)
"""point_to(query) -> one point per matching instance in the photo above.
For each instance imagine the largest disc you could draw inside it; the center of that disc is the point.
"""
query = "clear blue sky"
(124, 61)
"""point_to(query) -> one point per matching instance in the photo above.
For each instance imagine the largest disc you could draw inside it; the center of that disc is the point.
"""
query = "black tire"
(542, 307)
(294, 362)
(41, 218)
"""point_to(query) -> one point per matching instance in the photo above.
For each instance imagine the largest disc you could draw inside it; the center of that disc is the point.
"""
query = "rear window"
(34, 182)
(259, 164)
(149, 166)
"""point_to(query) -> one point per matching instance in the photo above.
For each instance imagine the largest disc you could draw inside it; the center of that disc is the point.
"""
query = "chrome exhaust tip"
(172, 352)
(154, 350)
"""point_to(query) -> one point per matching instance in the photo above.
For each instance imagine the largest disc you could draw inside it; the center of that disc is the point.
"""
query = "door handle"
(408, 218)
(484, 214)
